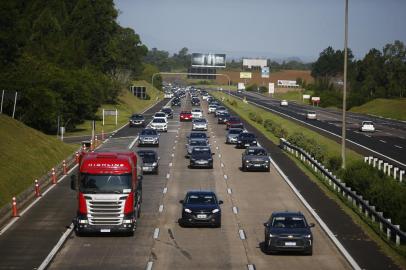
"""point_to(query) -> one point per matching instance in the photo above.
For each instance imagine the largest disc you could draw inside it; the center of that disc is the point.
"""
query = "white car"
(197, 113)
(367, 126)
(168, 95)
(161, 115)
(284, 102)
(199, 124)
(311, 115)
(159, 124)
(212, 108)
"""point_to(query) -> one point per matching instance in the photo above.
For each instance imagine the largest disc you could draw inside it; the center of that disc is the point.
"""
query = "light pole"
(343, 135)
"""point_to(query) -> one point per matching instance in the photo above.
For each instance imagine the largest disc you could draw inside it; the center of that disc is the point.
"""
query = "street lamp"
(343, 135)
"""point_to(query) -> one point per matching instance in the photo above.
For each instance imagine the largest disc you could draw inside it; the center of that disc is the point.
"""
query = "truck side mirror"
(72, 182)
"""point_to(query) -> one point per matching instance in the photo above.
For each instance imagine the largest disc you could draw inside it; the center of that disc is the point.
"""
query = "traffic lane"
(196, 248)
(115, 251)
(257, 195)
(381, 149)
(25, 244)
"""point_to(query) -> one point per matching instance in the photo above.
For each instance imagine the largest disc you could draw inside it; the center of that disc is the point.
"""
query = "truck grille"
(105, 212)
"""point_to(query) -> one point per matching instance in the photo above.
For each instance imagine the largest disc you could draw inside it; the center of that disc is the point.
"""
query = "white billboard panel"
(271, 88)
(241, 86)
(254, 62)
(287, 83)
(245, 75)
(306, 96)
(208, 60)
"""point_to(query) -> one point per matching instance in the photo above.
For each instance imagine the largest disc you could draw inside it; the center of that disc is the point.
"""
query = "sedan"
(255, 158)
(232, 135)
(195, 143)
(201, 208)
(137, 120)
(288, 231)
(246, 139)
(201, 157)
(160, 124)
(367, 126)
(148, 136)
(311, 115)
(222, 118)
(150, 161)
(232, 120)
(284, 102)
(212, 108)
(220, 109)
(197, 113)
(168, 111)
(199, 124)
(185, 116)
(198, 135)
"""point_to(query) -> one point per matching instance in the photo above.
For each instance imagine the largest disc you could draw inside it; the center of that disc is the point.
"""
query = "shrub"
(334, 163)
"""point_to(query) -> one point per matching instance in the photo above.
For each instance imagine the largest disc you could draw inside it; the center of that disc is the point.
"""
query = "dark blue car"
(201, 208)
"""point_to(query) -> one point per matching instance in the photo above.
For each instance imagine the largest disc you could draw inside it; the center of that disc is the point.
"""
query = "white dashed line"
(217, 148)
(225, 177)
(382, 141)
(161, 208)
(222, 165)
(173, 147)
(369, 136)
(170, 164)
(397, 146)
(165, 190)
(242, 234)
(235, 210)
(219, 155)
(229, 191)
(168, 175)
(251, 267)
(149, 265)
(156, 233)
(173, 155)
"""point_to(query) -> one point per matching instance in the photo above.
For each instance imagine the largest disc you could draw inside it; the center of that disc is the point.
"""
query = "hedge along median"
(388, 195)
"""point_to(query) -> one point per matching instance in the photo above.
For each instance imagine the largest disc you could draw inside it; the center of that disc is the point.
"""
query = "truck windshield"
(102, 183)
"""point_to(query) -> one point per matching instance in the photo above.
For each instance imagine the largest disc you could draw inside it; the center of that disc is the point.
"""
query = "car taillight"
(82, 204)
(129, 204)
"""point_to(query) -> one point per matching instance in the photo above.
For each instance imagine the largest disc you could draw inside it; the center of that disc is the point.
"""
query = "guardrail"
(393, 232)
(386, 167)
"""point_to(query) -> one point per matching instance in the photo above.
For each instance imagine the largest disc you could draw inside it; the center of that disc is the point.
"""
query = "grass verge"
(388, 108)
(127, 105)
(26, 154)
(296, 96)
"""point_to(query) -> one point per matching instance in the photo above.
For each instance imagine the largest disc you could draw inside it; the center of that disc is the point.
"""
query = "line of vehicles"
(109, 185)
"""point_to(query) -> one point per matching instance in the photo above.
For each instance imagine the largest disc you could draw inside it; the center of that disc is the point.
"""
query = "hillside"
(25, 155)
(388, 108)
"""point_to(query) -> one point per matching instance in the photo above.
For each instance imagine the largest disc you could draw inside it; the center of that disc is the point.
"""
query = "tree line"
(380, 74)
(65, 58)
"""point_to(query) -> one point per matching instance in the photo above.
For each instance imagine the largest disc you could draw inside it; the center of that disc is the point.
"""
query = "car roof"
(255, 148)
(147, 151)
(287, 214)
(201, 192)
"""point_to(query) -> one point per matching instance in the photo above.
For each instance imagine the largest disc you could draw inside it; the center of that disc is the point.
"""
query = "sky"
(275, 29)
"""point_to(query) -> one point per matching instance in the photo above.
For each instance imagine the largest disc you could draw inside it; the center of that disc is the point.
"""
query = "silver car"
(148, 136)
(232, 135)
(193, 143)
(255, 158)
(199, 124)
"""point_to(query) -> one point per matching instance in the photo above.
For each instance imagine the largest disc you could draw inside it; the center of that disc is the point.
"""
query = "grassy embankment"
(128, 104)
(26, 154)
(388, 108)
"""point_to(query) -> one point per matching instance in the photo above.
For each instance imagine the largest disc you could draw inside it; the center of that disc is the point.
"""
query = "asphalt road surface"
(388, 142)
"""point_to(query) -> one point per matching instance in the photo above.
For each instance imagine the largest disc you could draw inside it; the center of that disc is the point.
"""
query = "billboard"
(287, 83)
(265, 72)
(241, 86)
(208, 60)
(254, 62)
(271, 88)
(245, 75)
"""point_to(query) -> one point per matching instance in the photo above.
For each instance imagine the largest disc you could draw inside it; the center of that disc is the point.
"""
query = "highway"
(160, 243)
(387, 143)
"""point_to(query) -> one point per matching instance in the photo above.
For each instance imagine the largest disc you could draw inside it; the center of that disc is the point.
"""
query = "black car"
(246, 139)
(176, 102)
(255, 158)
(168, 112)
(137, 120)
(201, 208)
(201, 157)
(288, 231)
(150, 161)
(222, 118)
(195, 101)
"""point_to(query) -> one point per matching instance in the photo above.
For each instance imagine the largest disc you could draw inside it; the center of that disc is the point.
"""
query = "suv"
(232, 135)
(168, 111)
(197, 113)
(148, 136)
(195, 101)
(255, 158)
(137, 120)
(288, 231)
(201, 156)
(198, 136)
(201, 208)
(160, 124)
(232, 120)
(311, 115)
(223, 117)
(246, 139)
(150, 161)
(175, 102)
(212, 108)
(194, 143)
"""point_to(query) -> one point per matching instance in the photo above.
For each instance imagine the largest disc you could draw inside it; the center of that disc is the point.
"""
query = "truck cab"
(109, 193)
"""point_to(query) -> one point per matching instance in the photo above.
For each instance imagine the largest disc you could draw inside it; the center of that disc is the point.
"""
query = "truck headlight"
(188, 210)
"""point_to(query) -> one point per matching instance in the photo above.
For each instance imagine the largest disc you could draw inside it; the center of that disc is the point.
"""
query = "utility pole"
(343, 135)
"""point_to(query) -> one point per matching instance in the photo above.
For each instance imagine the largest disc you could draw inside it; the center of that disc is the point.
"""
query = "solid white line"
(235, 210)
(242, 234)
(149, 265)
(323, 225)
(161, 208)
(331, 133)
(156, 233)
(397, 146)
(133, 143)
(55, 249)
(382, 141)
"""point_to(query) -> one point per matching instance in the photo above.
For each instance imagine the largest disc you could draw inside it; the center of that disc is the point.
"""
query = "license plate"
(247, 144)
(201, 216)
(290, 244)
(105, 230)
(257, 165)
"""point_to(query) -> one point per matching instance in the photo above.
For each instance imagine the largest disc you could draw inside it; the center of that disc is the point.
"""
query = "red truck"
(109, 193)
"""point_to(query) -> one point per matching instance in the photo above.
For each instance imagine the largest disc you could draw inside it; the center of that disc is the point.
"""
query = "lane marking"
(149, 265)
(242, 234)
(235, 210)
(382, 141)
(170, 164)
(369, 136)
(161, 208)
(165, 190)
(397, 146)
(251, 267)
(156, 233)
(173, 155)
(323, 225)
(222, 165)
(229, 191)
(225, 177)
(168, 175)
(219, 155)
(55, 249)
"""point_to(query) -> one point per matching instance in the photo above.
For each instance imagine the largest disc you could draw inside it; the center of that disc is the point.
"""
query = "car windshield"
(199, 121)
(220, 108)
(160, 115)
(198, 143)
(148, 132)
(148, 157)
(234, 119)
(137, 117)
(198, 135)
(201, 199)
(167, 110)
(367, 123)
(234, 131)
(311, 112)
(256, 152)
(185, 112)
(100, 183)
(247, 135)
(158, 120)
(201, 151)
(288, 222)
(196, 110)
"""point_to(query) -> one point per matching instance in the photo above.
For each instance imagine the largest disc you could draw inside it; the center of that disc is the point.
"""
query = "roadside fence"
(387, 168)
